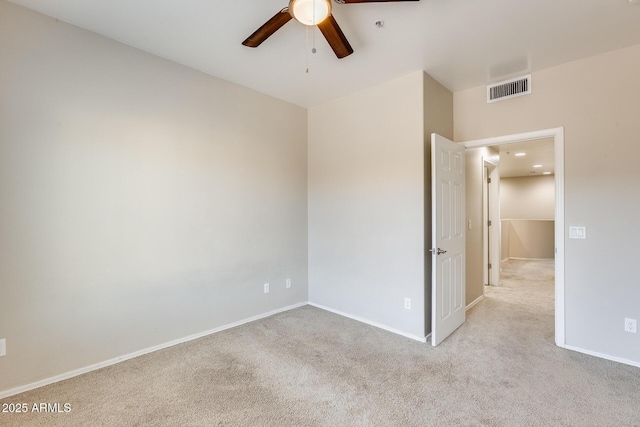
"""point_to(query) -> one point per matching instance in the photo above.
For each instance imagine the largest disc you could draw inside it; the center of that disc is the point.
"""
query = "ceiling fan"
(310, 12)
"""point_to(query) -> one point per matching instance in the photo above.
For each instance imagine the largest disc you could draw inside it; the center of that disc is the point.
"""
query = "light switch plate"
(577, 232)
(3, 347)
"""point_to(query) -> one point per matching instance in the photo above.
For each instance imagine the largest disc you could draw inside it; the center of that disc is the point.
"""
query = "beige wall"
(475, 158)
(438, 109)
(527, 209)
(140, 201)
(527, 197)
(528, 239)
(366, 206)
(368, 177)
(596, 100)
(505, 228)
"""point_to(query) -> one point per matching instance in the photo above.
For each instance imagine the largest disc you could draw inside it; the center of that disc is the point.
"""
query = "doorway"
(557, 135)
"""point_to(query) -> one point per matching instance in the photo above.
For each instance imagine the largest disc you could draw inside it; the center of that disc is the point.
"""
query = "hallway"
(521, 309)
(528, 286)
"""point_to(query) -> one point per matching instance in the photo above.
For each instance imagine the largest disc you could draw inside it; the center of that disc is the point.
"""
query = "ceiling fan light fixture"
(310, 12)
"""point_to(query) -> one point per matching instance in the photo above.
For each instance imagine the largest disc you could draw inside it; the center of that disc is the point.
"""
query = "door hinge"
(489, 223)
(489, 266)
(488, 180)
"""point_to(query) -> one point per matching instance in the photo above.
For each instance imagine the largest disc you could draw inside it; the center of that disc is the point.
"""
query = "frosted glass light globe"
(310, 12)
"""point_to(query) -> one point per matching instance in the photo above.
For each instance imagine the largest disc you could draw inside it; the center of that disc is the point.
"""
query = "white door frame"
(558, 138)
(491, 212)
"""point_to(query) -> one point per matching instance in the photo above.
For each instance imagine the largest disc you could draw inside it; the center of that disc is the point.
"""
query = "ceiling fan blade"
(268, 28)
(334, 35)
(369, 1)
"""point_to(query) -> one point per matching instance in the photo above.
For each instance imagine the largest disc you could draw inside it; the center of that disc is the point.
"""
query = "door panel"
(448, 246)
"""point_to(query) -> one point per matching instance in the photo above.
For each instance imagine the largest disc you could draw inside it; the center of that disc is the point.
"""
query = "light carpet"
(308, 367)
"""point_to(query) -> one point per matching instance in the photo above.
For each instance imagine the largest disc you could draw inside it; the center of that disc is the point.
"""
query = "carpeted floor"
(308, 367)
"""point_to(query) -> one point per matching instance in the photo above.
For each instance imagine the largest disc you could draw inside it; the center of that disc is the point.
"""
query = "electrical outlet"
(288, 283)
(407, 303)
(630, 325)
(266, 288)
(3, 347)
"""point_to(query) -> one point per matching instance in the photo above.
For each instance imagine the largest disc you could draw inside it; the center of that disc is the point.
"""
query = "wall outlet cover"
(3, 347)
(630, 325)
(266, 288)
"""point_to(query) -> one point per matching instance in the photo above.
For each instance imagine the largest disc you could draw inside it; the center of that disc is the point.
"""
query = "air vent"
(509, 89)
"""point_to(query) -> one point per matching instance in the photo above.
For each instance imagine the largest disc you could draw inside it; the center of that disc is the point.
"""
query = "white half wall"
(527, 209)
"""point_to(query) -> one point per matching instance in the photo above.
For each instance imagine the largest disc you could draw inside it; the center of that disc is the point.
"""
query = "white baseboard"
(474, 302)
(530, 259)
(75, 373)
(369, 322)
(603, 356)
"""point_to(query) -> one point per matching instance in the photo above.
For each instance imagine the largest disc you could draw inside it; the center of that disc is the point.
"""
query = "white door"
(448, 237)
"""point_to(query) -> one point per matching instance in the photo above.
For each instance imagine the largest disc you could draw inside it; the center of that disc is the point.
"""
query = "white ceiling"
(461, 43)
(538, 152)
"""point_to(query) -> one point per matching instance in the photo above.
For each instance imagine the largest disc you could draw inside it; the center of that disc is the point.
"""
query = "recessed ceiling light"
(537, 166)
(520, 154)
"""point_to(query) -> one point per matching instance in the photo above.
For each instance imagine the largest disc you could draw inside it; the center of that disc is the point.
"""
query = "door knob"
(437, 251)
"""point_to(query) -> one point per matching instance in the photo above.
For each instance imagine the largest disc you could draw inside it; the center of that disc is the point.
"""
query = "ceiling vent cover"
(509, 89)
